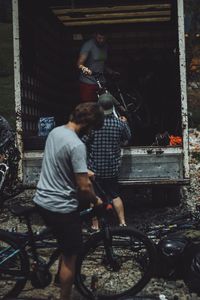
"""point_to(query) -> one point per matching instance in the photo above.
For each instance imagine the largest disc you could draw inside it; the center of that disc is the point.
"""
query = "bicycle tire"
(121, 238)
(139, 111)
(9, 245)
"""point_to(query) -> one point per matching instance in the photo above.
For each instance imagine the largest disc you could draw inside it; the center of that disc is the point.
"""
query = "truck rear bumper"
(153, 182)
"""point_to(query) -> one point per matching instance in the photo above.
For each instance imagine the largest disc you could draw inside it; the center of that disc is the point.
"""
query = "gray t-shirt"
(64, 155)
(96, 57)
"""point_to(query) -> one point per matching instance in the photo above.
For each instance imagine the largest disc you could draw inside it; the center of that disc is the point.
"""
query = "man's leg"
(67, 273)
(119, 207)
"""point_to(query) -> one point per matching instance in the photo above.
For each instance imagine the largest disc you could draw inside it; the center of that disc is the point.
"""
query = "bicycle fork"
(112, 260)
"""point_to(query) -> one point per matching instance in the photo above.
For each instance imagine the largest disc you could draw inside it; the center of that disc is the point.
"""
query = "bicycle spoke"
(132, 257)
(10, 268)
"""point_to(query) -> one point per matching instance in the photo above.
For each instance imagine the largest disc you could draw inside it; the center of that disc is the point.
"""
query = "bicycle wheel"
(14, 266)
(138, 110)
(135, 254)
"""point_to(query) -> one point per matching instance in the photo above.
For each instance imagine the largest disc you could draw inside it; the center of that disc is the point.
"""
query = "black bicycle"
(131, 104)
(114, 262)
(3, 173)
(178, 249)
(190, 220)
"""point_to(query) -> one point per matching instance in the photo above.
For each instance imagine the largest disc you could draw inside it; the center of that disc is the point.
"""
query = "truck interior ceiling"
(143, 47)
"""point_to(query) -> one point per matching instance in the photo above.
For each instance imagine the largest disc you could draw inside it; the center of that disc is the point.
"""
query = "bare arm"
(126, 133)
(80, 64)
(85, 189)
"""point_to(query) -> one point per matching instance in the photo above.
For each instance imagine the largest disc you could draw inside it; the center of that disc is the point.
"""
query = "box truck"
(146, 45)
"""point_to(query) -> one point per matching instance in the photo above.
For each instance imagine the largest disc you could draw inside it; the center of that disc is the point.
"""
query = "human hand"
(86, 70)
(99, 201)
(91, 174)
(123, 119)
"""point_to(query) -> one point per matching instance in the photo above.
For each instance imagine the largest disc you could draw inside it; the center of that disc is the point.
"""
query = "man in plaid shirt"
(103, 151)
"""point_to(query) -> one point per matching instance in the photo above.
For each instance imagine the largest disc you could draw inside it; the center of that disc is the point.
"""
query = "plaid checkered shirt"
(104, 147)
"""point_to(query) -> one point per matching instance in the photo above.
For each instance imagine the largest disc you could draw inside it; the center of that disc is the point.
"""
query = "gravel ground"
(139, 213)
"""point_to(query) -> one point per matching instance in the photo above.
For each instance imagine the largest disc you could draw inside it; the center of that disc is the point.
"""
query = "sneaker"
(123, 225)
(57, 280)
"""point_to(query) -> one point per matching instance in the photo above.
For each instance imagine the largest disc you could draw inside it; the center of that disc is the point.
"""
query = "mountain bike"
(6, 192)
(178, 249)
(190, 220)
(3, 173)
(130, 104)
(113, 263)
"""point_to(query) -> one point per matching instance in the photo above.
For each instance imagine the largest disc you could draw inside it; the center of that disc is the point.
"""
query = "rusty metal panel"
(43, 70)
(151, 166)
(184, 111)
(32, 163)
(137, 166)
(17, 81)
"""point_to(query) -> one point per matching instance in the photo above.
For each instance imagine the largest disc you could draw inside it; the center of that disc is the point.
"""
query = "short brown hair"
(88, 113)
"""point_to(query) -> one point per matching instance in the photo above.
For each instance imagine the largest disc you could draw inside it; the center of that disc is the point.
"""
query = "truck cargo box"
(146, 45)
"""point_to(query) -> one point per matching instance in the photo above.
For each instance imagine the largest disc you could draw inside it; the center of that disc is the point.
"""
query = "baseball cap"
(106, 102)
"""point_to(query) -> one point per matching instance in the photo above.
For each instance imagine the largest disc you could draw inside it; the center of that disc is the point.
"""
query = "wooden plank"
(121, 21)
(115, 16)
(63, 11)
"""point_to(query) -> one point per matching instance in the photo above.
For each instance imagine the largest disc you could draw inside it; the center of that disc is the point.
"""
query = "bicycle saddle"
(22, 211)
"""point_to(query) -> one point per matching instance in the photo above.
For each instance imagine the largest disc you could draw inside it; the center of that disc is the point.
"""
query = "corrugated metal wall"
(43, 65)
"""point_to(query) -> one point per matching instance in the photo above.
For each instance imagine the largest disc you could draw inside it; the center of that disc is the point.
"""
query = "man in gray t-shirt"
(64, 155)
(92, 59)
(64, 182)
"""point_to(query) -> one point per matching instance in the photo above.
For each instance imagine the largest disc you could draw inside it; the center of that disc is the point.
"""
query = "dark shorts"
(66, 229)
(109, 185)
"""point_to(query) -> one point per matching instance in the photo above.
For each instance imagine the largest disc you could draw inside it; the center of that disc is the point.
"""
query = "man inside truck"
(64, 184)
(92, 59)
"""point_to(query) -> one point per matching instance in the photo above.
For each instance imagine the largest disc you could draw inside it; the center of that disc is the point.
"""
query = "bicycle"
(5, 192)
(3, 173)
(190, 220)
(113, 263)
(132, 104)
(177, 242)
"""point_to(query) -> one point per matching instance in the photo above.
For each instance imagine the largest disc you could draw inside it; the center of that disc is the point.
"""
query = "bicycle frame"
(3, 171)
(189, 221)
(43, 240)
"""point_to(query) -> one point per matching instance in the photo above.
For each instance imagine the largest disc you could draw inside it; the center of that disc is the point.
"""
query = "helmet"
(170, 253)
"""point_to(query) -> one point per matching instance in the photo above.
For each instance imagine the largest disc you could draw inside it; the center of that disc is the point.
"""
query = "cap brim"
(108, 111)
